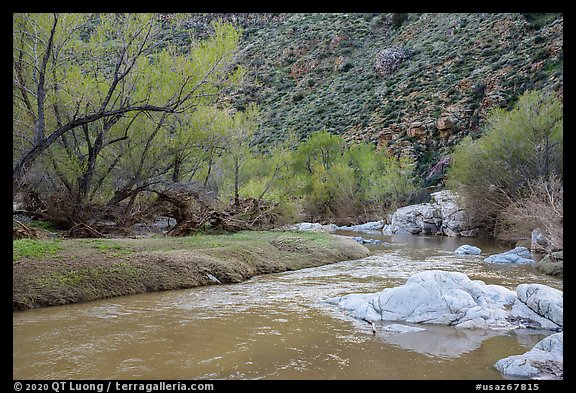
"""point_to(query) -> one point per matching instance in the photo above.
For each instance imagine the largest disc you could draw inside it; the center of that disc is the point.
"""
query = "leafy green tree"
(237, 149)
(321, 149)
(105, 111)
(83, 80)
(339, 181)
(384, 182)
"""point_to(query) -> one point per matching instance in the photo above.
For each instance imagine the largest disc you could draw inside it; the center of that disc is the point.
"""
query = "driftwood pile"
(191, 211)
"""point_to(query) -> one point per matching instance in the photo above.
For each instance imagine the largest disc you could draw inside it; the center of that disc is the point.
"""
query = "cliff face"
(414, 84)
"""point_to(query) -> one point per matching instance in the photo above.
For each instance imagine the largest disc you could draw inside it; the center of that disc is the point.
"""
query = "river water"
(274, 326)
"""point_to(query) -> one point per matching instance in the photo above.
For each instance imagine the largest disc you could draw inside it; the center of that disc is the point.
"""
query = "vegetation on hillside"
(111, 128)
(413, 84)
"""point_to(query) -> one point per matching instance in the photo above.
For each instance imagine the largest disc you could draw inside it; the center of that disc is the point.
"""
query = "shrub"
(519, 147)
(398, 18)
(540, 208)
(347, 184)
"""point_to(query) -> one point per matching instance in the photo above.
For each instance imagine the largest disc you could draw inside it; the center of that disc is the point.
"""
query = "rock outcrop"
(544, 361)
(441, 216)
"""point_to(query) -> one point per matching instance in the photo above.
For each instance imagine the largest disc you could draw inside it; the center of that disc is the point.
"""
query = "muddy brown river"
(274, 326)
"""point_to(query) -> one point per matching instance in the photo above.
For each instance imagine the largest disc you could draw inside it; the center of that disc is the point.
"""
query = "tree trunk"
(176, 171)
(236, 182)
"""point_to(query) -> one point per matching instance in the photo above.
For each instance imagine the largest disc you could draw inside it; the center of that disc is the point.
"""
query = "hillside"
(414, 84)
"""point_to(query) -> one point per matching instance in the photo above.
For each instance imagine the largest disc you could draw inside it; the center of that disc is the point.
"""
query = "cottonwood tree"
(238, 147)
(83, 82)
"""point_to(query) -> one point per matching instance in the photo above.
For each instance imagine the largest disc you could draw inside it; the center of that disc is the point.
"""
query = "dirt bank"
(47, 273)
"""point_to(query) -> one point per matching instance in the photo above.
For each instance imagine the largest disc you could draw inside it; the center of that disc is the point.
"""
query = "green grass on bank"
(35, 248)
(55, 272)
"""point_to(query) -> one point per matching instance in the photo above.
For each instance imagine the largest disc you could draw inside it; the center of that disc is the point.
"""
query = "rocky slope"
(414, 84)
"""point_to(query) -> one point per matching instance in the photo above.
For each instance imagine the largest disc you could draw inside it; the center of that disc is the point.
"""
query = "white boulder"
(518, 255)
(543, 300)
(545, 360)
(441, 216)
(313, 226)
(366, 227)
(467, 249)
(451, 298)
(435, 297)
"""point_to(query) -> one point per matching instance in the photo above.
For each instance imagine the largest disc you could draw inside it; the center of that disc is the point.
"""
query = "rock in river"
(313, 226)
(435, 297)
(451, 298)
(441, 216)
(467, 249)
(371, 226)
(544, 361)
(543, 300)
(517, 255)
(361, 240)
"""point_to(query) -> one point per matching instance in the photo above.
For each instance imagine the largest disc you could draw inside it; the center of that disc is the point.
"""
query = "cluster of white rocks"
(372, 226)
(450, 298)
(441, 216)
(518, 255)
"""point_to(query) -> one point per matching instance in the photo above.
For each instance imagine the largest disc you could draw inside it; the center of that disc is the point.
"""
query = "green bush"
(518, 147)
(341, 183)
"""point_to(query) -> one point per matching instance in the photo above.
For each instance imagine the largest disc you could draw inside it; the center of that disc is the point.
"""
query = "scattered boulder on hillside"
(518, 255)
(417, 130)
(388, 60)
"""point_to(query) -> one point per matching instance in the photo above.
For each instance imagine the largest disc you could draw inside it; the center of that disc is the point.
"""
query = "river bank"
(57, 272)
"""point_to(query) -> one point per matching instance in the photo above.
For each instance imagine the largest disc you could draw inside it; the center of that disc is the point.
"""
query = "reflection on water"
(448, 342)
(274, 326)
